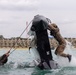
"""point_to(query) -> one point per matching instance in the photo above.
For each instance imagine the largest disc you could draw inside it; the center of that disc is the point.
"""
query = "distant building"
(14, 42)
(17, 42)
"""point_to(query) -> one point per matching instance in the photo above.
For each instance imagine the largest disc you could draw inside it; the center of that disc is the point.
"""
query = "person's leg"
(60, 51)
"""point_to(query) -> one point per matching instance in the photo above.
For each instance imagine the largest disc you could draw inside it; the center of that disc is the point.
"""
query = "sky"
(14, 14)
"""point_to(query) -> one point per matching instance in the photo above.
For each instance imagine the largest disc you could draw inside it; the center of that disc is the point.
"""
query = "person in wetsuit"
(4, 58)
(55, 32)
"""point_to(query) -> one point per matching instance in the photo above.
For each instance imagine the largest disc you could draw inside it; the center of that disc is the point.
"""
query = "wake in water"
(17, 65)
(63, 62)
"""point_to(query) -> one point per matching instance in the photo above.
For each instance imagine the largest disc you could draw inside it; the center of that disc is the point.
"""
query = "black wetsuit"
(3, 59)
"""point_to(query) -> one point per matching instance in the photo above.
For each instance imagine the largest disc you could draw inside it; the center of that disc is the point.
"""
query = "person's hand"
(7, 54)
(8, 51)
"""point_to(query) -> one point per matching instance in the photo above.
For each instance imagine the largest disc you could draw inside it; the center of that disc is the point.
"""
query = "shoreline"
(4, 48)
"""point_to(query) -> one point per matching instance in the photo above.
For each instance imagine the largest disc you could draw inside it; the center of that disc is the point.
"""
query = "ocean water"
(20, 62)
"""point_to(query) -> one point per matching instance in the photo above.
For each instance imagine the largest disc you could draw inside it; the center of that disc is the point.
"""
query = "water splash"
(63, 62)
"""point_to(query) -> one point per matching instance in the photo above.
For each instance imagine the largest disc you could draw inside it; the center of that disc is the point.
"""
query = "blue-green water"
(20, 62)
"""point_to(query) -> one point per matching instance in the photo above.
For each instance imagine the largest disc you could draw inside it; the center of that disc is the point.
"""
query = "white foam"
(73, 61)
(34, 53)
(64, 61)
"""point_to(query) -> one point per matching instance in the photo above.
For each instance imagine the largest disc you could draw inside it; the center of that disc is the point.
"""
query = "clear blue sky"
(15, 13)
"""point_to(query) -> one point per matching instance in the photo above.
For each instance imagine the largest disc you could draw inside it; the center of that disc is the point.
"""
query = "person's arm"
(7, 54)
(8, 51)
(53, 27)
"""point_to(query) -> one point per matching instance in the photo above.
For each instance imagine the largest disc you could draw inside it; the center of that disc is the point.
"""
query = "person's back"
(62, 43)
(56, 33)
